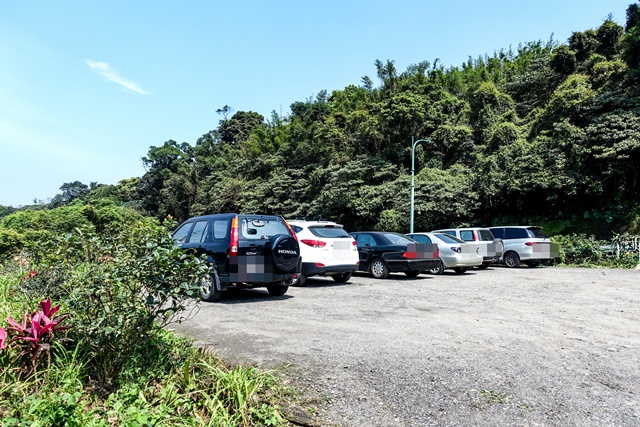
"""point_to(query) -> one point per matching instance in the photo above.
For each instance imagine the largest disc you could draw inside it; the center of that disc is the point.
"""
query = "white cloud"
(110, 73)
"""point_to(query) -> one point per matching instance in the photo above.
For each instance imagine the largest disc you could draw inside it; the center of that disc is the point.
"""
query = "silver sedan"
(455, 254)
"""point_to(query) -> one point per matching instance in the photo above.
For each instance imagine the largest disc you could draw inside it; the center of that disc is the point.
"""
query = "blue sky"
(86, 87)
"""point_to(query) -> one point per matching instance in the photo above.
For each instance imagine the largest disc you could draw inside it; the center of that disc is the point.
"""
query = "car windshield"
(448, 239)
(398, 239)
(328, 231)
(537, 232)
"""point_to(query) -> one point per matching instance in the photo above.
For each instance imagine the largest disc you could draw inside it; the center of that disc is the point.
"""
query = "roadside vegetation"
(82, 341)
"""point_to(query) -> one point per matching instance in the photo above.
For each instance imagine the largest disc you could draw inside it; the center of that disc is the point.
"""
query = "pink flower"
(3, 337)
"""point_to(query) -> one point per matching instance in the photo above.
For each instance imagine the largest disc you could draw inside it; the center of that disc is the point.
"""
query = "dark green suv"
(244, 251)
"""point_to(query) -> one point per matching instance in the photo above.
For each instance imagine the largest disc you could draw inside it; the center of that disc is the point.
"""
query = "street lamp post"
(413, 169)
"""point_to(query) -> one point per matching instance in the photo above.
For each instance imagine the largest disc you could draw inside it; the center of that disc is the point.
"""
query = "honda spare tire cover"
(285, 252)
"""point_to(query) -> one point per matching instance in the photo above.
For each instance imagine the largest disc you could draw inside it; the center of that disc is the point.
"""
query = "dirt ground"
(514, 347)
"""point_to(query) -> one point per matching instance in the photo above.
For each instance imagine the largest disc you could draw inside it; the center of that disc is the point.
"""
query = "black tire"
(412, 273)
(277, 290)
(285, 252)
(209, 288)
(483, 266)
(460, 270)
(532, 264)
(512, 259)
(379, 269)
(341, 278)
(301, 280)
(439, 269)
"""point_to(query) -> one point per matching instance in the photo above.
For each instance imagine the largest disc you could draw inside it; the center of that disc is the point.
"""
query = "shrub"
(579, 249)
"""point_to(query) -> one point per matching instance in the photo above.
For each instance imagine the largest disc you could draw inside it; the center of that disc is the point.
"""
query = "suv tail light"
(314, 243)
(233, 246)
(530, 243)
(293, 233)
(354, 243)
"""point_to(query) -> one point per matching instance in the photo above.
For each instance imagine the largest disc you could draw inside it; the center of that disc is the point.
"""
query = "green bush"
(580, 249)
(587, 251)
(119, 366)
(120, 288)
(10, 243)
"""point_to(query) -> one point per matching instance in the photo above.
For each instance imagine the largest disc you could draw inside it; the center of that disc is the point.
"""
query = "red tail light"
(293, 233)
(353, 242)
(409, 255)
(233, 247)
(314, 243)
(529, 243)
(319, 264)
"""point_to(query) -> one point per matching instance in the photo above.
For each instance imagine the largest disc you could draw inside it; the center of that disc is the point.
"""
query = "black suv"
(245, 250)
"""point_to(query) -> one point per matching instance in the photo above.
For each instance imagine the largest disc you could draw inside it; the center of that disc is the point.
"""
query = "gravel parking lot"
(515, 347)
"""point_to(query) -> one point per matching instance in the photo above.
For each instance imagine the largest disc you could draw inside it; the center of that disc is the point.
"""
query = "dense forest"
(545, 133)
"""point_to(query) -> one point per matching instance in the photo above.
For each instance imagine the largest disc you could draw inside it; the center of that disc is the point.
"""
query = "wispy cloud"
(110, 73)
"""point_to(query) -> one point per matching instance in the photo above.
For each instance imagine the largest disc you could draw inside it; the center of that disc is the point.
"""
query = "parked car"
(243, 250)
(455, 254)
(384, 252)
(525, 244)
(326, 250)
(491, 247)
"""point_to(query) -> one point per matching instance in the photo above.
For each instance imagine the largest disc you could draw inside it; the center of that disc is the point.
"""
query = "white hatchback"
(326, 250)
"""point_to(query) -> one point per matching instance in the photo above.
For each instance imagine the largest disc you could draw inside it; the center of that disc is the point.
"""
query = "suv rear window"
(328, 232)
(537, 232)
(261, 228)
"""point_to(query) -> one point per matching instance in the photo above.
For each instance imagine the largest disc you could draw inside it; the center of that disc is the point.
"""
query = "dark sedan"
(384, 252)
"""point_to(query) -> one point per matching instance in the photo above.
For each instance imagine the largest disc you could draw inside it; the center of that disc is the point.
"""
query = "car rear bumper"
(311, 269)
(255, 279)
(412, 264)
(453, 262)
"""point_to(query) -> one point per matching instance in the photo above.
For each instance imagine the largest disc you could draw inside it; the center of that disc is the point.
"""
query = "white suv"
(326, 250)
(526, 244)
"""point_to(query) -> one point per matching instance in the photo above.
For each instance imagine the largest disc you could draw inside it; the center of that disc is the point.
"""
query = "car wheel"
(460, 270)
(301, 280)
(341, 278)
(483, 266)
(379, 269)
(208, 288)
(412, 273)
(512, 260)
(439, 269)
(277, 290)
(533, 263)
